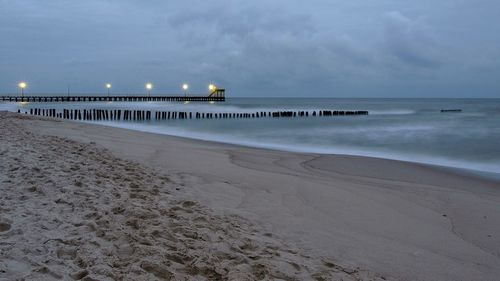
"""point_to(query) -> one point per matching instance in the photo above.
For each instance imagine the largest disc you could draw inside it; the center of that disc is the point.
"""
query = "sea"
(403, 129)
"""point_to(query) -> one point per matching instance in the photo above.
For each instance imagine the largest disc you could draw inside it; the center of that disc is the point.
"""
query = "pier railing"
(212, 98)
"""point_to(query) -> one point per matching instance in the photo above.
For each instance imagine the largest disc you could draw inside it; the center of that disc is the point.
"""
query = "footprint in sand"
(4, 226)
(66, 253)
(157, 270)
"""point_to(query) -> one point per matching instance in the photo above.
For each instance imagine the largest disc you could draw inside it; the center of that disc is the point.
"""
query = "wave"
(392, 112)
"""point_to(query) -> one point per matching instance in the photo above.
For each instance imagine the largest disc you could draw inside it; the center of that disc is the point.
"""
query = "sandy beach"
(88, 202)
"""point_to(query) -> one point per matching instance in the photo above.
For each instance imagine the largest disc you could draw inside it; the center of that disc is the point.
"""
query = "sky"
(254, 48)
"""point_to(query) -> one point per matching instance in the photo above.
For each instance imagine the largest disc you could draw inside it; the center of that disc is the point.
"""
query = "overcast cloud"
(324, 48)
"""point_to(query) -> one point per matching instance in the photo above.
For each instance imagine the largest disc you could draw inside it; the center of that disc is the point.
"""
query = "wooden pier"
(216, 96)
(148, 115)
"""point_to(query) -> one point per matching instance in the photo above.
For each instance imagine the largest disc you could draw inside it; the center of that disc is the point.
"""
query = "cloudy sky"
(327, 48)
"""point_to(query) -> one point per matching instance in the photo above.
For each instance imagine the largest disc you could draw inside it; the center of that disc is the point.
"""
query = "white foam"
(392, 112)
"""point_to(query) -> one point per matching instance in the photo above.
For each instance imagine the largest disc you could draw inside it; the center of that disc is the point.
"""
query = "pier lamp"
(22, 86)
(108, 86)
(212, 87)
(185, 87)
(149, 87)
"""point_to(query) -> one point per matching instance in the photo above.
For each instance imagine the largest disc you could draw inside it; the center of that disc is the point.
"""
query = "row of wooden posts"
(146, 115)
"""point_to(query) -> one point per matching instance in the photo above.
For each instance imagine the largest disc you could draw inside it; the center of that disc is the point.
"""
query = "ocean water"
(405, 129)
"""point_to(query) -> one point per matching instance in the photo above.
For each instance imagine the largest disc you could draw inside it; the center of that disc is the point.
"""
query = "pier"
(217, 95)
(148, 115)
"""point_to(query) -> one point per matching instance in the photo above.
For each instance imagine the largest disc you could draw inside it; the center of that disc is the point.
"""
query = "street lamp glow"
(149, 86)
(185, 87)
(108, 86)
(22, 86)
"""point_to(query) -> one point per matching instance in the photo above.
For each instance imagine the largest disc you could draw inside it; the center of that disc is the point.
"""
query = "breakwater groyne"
(147, 115)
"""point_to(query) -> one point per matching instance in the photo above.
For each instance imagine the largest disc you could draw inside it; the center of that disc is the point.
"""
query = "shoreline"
(485, 174)
(394, 218)
(446, 159)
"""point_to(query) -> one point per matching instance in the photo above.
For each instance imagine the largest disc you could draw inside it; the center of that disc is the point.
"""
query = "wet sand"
(290, 215)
